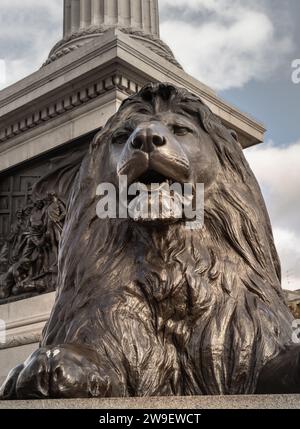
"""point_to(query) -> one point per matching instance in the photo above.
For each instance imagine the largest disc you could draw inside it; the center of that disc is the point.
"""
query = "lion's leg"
(65, 371)
(281, 374)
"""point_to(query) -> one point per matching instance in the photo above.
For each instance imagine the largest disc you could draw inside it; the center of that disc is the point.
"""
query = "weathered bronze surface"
(145, 308)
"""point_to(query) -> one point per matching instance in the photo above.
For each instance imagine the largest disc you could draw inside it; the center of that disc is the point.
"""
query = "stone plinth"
(196, 403)
(24, 321)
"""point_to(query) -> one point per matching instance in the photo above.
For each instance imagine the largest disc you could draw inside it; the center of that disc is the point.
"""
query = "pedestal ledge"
(196, 403)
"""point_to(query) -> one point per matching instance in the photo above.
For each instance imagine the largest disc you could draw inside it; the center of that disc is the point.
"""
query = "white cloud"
(28, 30)
(2, 72)
(224, 43)
(277, 170)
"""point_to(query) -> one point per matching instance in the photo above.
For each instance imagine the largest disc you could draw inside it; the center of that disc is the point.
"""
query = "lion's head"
(214, 292)
(157, 143)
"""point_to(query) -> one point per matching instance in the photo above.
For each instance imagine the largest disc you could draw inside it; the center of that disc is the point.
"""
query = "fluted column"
(85, 13)
(124, 10)
(75, 16)
(88, 20)
(155, 17)
(136, 14)
(97, 12)
(67, 18)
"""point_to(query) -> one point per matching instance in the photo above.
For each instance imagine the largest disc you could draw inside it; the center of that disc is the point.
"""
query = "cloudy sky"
(242, 48)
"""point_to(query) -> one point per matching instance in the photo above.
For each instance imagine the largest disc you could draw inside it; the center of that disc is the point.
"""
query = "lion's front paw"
(57, 372)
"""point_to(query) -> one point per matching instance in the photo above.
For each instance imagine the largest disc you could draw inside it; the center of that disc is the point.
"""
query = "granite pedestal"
(196, 403)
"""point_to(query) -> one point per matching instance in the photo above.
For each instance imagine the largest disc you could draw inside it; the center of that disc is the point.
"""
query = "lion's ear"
(234, 135)
(60, 180)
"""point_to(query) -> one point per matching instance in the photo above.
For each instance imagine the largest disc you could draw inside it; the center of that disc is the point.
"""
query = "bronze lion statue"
(147, 308)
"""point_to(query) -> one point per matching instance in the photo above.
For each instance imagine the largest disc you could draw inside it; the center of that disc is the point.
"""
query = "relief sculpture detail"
(28, 257)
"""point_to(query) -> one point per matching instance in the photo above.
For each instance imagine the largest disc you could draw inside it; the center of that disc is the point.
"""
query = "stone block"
(174, 403)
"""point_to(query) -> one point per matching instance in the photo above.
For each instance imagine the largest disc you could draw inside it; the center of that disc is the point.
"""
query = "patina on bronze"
(147, 309)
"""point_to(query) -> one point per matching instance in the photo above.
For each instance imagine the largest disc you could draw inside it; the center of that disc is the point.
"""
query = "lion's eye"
(181, 131)
(120, 137)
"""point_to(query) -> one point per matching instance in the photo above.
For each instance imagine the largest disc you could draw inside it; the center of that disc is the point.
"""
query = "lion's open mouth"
(156, 197)
(152, 177)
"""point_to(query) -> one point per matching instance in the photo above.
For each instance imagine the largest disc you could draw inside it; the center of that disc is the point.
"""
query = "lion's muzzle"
(152, 146)
(154, 159)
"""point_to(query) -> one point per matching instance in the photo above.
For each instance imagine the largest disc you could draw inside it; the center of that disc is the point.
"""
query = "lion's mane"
(172, 310)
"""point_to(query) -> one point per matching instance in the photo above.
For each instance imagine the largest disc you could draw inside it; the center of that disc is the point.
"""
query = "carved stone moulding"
(77, 40)
(69, 102)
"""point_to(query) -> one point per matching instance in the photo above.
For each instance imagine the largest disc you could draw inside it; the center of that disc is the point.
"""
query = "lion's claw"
(56, 372)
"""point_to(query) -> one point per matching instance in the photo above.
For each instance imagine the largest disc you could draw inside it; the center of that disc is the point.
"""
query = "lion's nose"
(147, 140)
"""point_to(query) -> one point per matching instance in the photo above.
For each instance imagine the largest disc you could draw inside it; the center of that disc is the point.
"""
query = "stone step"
(196, 403)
